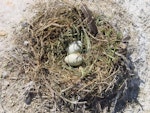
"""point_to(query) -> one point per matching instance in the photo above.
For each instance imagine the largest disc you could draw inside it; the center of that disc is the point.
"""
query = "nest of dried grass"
(49, 34)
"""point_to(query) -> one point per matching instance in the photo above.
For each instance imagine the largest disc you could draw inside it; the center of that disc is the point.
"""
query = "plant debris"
(103, 72)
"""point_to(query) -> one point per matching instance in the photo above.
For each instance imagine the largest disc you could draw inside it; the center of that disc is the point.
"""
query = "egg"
(74, 59)
(74, 47)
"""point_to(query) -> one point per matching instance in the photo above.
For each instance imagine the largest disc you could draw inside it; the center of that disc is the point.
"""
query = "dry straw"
(49, 35)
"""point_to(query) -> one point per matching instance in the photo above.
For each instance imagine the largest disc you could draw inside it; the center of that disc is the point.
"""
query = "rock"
(26, 43)
(123, 46)
(2, 33)
(4, 74)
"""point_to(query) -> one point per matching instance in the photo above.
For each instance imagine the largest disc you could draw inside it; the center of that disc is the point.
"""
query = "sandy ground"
(132, 17)
(140, 16)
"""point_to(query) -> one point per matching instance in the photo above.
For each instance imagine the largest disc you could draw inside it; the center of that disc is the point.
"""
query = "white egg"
(74, 47)
(74, 59)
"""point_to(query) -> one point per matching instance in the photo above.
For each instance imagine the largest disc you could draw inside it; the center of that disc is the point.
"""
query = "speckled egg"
(74, 47)
(74, 59)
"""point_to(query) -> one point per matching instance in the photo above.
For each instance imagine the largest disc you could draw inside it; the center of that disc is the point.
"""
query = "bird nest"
(47, 38)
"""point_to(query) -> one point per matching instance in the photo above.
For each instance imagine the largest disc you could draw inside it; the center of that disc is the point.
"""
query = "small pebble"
(123, 45)
(2, 33)
(4, 74)
(26, 43)
(24, 24)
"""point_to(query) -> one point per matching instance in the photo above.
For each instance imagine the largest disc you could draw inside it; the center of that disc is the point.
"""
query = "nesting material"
(66, 27)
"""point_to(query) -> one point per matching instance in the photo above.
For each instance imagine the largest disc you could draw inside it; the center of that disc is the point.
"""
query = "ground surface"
(132, 17)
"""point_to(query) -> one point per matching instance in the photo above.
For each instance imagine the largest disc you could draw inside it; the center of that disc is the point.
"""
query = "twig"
(116, 99)
(92, 36)
(72, 102)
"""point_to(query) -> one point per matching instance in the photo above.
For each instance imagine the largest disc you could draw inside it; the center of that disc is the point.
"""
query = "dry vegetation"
(101, 77)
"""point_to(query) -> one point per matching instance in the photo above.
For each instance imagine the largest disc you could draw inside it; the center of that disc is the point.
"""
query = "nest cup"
(51, 32)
